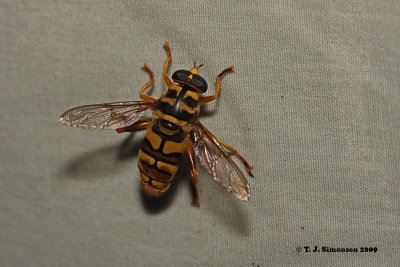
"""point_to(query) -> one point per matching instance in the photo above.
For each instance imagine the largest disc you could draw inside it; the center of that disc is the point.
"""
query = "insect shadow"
(102, 162)
(227, 209)
(105, 162)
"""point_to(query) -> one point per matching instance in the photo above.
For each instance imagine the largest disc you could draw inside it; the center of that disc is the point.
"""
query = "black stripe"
(156, 158)
(148, 142)
(169, 125)
(172, 155)
(189, 101)
(156, 168)
(177, 137)
(175, 112)
(171, 94)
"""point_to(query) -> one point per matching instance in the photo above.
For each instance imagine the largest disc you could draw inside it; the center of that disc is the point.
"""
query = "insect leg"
(249, 168)
(150, 83)
(166, 64)
(206, 99)
(139, 125)
(191, 158)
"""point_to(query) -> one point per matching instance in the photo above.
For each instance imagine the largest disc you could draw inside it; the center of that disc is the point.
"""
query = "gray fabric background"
(314, 106)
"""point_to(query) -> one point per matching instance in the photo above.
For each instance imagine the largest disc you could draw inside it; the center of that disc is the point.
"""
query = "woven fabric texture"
(313, 105)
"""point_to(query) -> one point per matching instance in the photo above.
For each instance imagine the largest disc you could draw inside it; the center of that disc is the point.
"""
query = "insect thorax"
(180, 103)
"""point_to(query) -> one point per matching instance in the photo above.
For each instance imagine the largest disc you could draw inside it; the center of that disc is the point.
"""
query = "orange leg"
(191, 158)
(150, 83)
(249, 168)
(166, 65)
(206, 99)
(139, 125)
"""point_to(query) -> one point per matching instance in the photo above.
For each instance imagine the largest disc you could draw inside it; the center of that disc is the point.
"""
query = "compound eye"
(198, 82)
(181, 75)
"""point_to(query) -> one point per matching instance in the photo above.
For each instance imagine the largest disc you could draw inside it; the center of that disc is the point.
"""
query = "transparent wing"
(105, 116)
(218, 163)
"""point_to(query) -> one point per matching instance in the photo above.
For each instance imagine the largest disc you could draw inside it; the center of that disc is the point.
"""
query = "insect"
(173, 131)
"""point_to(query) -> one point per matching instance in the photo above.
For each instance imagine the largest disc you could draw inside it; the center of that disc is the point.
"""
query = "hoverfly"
(174, 130)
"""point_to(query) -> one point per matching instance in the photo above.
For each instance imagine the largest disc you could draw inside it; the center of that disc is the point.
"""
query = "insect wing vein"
(105, 116)
(218, 163)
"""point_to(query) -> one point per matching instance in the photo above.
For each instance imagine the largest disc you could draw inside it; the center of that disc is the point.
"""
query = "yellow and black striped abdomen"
(159, 156)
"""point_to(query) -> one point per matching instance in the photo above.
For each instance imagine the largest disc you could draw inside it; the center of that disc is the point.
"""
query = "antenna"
(197, 67)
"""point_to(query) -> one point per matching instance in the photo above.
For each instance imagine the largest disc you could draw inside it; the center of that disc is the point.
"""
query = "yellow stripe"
(186, 108)
(144, 177)
(194, 95)
(168, 100)
(171, 169)
(172, 147)
(175, 87)
(160, 185)
(154, 139)
(146, 158)
(174, 120)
